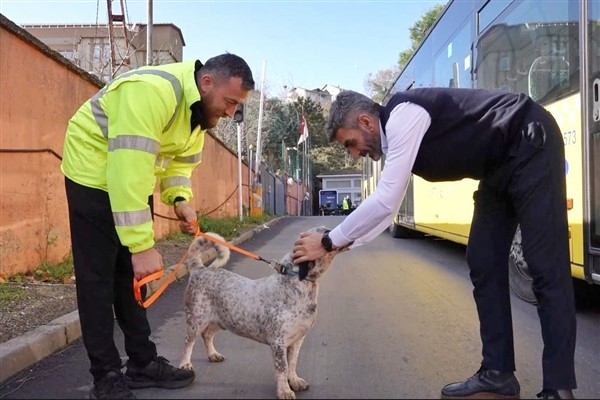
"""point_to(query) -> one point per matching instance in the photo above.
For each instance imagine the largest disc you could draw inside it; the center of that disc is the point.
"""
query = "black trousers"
(528, 190)
(104, 281)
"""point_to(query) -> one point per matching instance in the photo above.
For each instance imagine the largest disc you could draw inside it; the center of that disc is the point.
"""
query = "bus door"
(590, 98)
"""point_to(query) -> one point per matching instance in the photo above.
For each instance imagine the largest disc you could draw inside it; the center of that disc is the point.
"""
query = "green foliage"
(9, 293)
(281, 150)
(332, 158)
(404, 57)
(230, 227)
(48, 273)
(418, 31)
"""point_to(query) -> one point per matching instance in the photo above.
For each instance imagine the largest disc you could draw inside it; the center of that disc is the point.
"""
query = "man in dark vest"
(514, 147)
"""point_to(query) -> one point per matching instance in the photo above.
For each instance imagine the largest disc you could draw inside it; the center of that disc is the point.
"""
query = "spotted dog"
(278, 310)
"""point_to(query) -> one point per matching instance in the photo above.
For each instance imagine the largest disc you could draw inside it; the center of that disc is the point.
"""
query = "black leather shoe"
(485, 384)
(555, 394)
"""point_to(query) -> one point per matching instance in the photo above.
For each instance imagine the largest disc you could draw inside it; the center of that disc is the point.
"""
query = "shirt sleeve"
(405, 129)
(137, 114)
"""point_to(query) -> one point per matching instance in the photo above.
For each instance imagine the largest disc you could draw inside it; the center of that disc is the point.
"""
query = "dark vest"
(470, 132)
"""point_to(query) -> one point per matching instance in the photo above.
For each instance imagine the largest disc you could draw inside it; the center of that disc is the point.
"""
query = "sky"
(289, 43)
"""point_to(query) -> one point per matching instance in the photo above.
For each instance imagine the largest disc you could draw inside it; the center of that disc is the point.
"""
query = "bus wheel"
(518, 272)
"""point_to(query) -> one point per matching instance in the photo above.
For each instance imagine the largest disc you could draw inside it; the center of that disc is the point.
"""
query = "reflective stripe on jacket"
(135, 129)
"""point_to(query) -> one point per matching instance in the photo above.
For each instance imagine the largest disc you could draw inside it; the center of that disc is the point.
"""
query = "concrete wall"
(40, 91)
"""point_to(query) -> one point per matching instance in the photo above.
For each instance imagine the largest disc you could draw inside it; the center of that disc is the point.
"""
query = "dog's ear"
(303, 270)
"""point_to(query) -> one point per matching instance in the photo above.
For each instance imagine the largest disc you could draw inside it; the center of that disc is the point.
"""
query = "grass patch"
(9, 293)
(48, 273)
(230, 227)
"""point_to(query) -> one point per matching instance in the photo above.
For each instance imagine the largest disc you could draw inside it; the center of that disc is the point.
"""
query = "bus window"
(531, 49)
(489, 12)
(452, 65)
(547, 73)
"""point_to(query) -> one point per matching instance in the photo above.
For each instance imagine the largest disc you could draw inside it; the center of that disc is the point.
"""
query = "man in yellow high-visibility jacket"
(147, 123)
(346, 205)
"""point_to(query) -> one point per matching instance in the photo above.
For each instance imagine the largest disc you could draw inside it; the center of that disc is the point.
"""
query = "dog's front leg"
(186, 356)
(281, 371)
(296, 383)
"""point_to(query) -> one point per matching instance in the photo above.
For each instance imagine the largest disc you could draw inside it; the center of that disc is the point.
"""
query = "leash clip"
(277, 266)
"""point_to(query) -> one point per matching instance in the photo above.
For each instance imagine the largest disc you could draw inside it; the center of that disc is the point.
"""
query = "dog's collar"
(293, 270)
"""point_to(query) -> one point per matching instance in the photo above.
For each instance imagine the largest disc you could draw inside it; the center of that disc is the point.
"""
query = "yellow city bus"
(549, 50)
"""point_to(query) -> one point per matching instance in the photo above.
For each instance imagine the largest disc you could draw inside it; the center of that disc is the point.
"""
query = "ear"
(206, 82)
(365, 120)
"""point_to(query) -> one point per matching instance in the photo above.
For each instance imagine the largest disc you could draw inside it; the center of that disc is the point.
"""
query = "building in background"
(323, 96)
(346, 183)
(89, 46)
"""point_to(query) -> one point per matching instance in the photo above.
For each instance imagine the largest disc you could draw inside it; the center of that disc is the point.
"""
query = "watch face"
(326, 242)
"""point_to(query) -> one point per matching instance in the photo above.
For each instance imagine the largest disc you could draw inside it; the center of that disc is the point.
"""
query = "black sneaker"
(485, 384)
(159, 373)
(112, 386)
(555, 394)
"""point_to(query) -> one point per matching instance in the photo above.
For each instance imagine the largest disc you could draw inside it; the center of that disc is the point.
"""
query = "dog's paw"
(285, 394)
(186, 365)
(216, 357)
(298, 384)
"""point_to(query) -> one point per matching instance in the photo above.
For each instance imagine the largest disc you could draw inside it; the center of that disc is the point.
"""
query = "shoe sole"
(159, 384)
(92, 395)
(482, 395)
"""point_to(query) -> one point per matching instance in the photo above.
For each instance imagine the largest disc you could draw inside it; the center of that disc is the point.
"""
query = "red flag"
(303, 130)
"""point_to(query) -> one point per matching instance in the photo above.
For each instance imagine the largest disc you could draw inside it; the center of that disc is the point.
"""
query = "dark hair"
(227, 66)
(346, 106)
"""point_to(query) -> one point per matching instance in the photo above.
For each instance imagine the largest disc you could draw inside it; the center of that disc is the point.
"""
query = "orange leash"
(137, 285)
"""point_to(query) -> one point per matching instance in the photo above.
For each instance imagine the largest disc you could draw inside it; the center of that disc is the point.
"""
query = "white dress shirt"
(404, 129)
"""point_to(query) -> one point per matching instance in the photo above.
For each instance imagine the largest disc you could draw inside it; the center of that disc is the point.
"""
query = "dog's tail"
(201, 245)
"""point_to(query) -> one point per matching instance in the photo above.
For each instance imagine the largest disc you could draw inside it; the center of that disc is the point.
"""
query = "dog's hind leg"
(208, 334)
(281, 371)
(296, 383)
(192, 333)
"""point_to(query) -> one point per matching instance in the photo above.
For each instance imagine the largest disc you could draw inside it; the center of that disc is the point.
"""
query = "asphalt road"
(396, 320)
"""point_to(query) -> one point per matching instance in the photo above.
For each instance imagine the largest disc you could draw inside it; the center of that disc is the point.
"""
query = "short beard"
(202, 120)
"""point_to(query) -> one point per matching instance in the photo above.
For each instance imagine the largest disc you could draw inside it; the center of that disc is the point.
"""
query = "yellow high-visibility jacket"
(137, 128)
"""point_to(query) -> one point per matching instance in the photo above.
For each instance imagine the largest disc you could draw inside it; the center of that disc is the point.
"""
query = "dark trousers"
(104, 281)
(528, 190)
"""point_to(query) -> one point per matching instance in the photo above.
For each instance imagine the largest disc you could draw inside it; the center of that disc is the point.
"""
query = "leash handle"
(137, 285)
(137, 289)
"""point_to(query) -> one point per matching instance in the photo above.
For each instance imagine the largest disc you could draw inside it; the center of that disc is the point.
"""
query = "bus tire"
(518, 273)
(402, 232)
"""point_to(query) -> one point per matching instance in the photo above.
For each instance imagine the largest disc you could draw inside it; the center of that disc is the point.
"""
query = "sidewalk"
(21, 352)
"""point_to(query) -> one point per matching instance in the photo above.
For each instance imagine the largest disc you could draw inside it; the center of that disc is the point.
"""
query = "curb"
(21, 352)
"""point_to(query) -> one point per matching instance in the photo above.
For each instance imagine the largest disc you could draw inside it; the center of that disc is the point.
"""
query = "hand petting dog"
(308, 247)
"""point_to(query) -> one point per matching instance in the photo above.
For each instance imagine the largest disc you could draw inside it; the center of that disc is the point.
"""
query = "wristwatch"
(326, 242)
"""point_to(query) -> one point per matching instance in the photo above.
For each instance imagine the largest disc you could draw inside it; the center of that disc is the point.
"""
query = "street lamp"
(238, 117)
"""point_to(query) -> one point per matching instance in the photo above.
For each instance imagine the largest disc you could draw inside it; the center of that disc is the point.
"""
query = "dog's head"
(312, 270)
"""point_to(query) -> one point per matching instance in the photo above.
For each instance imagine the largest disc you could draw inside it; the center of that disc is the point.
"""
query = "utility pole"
(149, 49)
(256, 205)
(120, 18)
